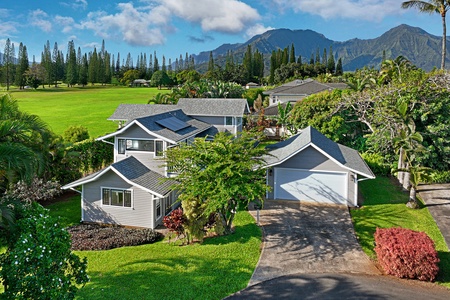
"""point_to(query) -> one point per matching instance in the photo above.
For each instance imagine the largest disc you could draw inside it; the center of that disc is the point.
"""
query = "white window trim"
(156, 209)
(233, 121)
(127, 151)
(119, 189)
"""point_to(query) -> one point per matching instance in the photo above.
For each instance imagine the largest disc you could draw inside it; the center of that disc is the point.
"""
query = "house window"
(122, 145)
(116, 197)
(158, 208)
(141, 145)
(238, 121)
(159, 148)
(228, 121)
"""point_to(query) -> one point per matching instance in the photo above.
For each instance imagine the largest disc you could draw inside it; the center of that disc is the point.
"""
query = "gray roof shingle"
(231, 107)
(347, 157)
(304, 87)
(136, 173)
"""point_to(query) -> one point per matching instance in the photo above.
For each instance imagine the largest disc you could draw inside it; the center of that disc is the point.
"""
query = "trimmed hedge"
(98, 237)
(406, 253)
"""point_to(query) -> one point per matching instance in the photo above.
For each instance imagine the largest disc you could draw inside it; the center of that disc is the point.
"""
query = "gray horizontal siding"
(136, 132)
(311, 159)
(140, 215)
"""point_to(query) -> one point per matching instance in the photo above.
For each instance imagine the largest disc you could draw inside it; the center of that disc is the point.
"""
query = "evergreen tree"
(339, 70)
(8, 62)
(211, 63)
(163, 67)
(317, 60)
(273, 67)
(72, 67)
(84, 69)
(22, 66)
(93, 67)
(155, 63)
(324, 57)
(292, 54)
(331, 65)
(46, 60)
(247, 64)
(285, 57)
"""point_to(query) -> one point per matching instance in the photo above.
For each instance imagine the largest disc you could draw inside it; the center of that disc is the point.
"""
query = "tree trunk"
(406, 178)
(412, 202)
(444, 40)
(400, 174)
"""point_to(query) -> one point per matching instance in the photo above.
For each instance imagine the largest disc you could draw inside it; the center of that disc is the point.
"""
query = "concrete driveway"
(302, 237)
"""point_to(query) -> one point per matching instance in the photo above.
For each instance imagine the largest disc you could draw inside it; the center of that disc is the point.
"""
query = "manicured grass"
(211, 270)
(68, 211)
(90, 106)
(384, 207)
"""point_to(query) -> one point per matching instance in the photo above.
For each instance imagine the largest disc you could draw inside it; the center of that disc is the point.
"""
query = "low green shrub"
(376, 163)
(406, 253)
(75, 134)
(440, 177)
(97, 237)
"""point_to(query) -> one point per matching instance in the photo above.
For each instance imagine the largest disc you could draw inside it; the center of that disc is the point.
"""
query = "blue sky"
(174, 27)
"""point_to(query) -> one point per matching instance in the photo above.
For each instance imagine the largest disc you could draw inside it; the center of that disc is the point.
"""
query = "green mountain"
(421, 48)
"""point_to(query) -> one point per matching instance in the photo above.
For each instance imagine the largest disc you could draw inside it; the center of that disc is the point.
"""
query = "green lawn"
(90, 106)
(384, 206)
(211, 270)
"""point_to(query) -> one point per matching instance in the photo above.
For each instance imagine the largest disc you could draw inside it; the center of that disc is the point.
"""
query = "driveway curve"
(304, 237)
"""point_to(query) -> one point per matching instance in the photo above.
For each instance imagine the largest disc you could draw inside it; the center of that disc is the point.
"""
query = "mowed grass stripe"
(90, 107)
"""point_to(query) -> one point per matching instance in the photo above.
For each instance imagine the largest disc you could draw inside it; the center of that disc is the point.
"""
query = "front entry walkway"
(301, 237)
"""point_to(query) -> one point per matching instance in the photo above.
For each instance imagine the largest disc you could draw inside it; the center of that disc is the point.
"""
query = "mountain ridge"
(420, 47)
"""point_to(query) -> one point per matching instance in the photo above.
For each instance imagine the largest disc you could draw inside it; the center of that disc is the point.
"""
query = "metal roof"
(342, 155)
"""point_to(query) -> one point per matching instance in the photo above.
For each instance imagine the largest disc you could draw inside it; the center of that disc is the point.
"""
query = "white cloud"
(228, 16)
(256, 29)
(369, 10)
(65, 22)
(129, 24)
(147, 24)
(77, 4)
(38, 18)
(8, 28)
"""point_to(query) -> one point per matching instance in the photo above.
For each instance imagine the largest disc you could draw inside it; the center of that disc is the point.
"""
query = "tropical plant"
(218, 176)
(433, 6)
(24, 141)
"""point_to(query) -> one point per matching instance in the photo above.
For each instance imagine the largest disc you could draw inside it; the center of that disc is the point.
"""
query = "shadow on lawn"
(180, 277)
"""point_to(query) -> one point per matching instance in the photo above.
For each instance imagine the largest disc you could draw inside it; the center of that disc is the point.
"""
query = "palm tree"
(24, 141)
(439, 6)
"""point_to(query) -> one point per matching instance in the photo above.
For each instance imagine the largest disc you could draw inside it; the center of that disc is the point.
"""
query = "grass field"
(90, 106)
(384, 207)
(211, 270)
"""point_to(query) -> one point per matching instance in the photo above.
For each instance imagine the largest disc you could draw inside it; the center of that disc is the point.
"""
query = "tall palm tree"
(433, 6)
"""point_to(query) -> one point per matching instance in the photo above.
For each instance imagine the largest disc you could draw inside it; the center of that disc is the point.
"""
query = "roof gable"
(342, 155)
(152, 125)
(133, 172)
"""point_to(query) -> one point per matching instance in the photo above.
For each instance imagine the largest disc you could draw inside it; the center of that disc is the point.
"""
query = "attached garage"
(311, 167)
(297, 184)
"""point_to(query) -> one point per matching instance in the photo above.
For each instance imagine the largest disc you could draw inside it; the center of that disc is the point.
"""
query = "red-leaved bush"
(406, 253)
(175, 221)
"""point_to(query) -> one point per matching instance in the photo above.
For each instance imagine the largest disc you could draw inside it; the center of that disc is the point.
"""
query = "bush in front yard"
(406, 253)
(97, 237)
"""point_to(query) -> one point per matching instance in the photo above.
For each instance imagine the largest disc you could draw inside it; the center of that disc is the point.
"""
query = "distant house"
(297, 90)
(136, 189)
(309, 166)
(252, 85)
(140, 82)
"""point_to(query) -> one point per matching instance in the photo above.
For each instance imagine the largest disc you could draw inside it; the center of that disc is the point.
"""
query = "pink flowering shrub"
(406, 253)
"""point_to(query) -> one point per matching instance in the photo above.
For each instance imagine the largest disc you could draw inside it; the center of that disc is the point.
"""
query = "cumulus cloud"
(146, 24)
(39, 18)
(369, 10)
(8, 28)
(227, 16)
(77, 4)
(65, 22)
(256, 29)
(129, 24)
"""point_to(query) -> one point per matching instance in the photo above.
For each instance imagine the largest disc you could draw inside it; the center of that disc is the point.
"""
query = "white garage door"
(324, 187)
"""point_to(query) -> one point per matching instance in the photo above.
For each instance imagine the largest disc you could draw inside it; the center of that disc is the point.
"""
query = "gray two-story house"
(136, 190)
